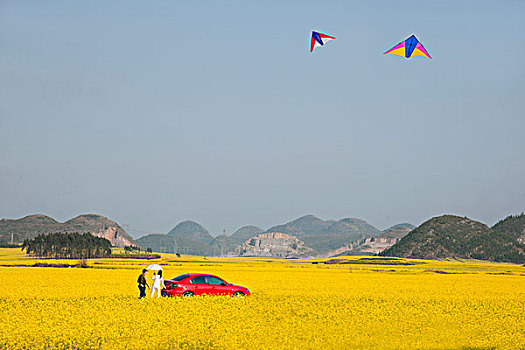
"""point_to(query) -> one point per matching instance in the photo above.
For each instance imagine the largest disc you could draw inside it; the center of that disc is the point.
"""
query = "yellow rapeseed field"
(296, 304)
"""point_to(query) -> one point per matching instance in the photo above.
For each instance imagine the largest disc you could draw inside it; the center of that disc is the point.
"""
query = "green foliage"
(131, 249)
(67, 246)
(82, 263)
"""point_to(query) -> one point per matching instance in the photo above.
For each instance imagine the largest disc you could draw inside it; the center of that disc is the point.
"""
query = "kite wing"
(409, 48)
(319, 39)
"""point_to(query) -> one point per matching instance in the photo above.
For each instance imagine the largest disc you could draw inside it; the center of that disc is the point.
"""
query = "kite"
(409, 48)
(319, 39)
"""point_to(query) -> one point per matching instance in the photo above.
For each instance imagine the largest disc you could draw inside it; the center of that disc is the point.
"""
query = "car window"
(199, 280)
(180, 278)
(214, 280)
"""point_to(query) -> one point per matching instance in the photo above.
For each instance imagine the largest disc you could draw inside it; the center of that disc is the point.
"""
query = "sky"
(151, 113)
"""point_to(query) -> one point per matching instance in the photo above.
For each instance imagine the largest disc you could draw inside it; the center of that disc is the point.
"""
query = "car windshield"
(180, 278)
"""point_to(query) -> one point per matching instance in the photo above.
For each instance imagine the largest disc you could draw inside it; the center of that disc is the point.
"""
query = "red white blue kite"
(409, 48)
(319, 39)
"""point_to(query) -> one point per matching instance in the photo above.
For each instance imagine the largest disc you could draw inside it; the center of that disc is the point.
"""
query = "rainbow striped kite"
(409, 48)
(319, 39)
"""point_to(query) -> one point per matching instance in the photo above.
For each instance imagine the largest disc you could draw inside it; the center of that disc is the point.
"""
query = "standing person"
(142, 283)
(157, 282)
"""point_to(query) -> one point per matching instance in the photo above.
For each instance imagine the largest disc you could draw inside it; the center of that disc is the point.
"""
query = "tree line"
(67, 246)
(132, 248)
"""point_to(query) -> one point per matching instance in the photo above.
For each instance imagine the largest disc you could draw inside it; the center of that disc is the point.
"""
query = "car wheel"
(238, 294)
(188, 294)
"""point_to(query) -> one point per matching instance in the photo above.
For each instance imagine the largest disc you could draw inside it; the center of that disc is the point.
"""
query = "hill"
(163, 243)
(325, 236)
(31, 226)
(451, 236)
(187, 237)
(192, 230)
(514, 226)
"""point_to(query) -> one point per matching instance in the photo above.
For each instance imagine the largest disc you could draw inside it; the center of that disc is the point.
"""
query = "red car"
(191, 284)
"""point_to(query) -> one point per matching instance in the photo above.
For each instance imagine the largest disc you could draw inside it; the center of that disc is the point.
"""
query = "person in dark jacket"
(142, 283)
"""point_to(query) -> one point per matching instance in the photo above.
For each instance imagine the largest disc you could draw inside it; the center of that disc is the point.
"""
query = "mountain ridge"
(31, 226)
(324, 236)
(319, 236)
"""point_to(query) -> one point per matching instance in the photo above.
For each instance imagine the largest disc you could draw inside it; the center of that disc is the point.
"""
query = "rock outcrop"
(365, 246)
(226, 244)
(273, 244)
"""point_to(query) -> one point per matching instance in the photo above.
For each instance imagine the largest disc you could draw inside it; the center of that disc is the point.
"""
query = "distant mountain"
(191, 229)
(397, 231)
(451, 236)
(33, 225)
(159, 242)
(321, 236)
(305, 225)
(325, 236)
(374, 244)
(361, 226)
(163, 243)
(188, 237)
(226, 244)
(441, 237)
(30, 226)
(246, 232)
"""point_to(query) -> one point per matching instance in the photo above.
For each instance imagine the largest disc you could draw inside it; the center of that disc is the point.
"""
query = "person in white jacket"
(158, 281)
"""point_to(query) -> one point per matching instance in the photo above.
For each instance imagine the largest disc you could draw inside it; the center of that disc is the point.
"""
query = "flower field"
(296, 304)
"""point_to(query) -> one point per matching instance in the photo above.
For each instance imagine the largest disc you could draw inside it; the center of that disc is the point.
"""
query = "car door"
(218, 286)
(200, 286)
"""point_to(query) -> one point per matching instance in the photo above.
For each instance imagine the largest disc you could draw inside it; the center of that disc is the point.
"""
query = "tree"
(67, 246)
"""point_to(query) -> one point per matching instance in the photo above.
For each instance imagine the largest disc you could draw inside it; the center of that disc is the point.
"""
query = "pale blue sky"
(151, 113)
